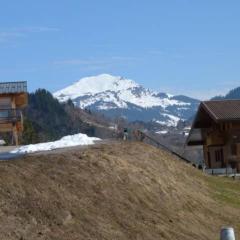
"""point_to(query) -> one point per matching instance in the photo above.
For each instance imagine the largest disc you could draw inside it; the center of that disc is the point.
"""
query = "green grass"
(225, 190)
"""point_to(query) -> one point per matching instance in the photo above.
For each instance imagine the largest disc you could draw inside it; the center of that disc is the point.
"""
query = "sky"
(189, 47)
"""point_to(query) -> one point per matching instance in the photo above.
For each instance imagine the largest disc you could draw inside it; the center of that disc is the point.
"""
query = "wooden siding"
(223, 137)
(11, 119)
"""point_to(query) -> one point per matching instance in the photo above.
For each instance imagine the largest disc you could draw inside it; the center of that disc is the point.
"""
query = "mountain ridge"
(233, 94)
(116, 96)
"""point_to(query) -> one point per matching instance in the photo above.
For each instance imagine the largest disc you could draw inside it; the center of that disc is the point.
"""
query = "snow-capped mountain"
(116, 96)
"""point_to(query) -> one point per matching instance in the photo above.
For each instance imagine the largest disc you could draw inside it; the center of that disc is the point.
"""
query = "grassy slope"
(117, 191)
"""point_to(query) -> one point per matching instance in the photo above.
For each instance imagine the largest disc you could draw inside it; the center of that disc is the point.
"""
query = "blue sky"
(187, 47)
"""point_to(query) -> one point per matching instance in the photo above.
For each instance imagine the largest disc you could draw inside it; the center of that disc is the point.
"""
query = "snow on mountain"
(171, 120)
(117, 96)
(94, 85)
(163, 132)
(113, 89)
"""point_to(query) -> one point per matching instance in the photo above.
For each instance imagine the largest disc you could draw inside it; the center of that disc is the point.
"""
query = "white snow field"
(114, 89)
(163, 132)
(67, 141)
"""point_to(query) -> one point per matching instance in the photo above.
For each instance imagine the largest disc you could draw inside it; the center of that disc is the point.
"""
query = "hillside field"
(118, 190)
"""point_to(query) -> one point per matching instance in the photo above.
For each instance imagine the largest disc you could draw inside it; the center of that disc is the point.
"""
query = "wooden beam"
(15, 135)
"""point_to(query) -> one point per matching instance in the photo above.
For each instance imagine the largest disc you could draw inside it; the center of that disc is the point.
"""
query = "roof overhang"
(211, 113)
(202, 120)
(195, 137)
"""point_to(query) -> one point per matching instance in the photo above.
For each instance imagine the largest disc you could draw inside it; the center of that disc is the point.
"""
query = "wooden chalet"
(217, 128)
(13, 98)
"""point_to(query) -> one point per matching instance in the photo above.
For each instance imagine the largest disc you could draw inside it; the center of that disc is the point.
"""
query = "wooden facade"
(217, 128)
(13, 99)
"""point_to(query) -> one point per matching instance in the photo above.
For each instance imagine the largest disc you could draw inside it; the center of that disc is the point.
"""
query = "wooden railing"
(145, 137)
(10, 115)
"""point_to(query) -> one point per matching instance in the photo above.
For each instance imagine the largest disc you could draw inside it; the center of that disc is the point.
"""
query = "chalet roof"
(212, 111)
(223, 110)
(13, 87)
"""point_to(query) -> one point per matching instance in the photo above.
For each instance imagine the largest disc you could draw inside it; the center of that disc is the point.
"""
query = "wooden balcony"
(215, 139)
(10, 116)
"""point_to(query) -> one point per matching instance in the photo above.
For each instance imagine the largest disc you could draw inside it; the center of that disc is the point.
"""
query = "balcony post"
(15, 134)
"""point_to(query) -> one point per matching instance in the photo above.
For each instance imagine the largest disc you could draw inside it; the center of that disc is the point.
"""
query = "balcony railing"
(10, 115)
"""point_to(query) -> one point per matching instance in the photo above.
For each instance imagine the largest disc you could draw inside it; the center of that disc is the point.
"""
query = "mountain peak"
(95, 84)
(117, 95)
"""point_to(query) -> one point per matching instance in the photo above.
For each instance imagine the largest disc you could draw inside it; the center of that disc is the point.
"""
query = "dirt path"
(4, 149)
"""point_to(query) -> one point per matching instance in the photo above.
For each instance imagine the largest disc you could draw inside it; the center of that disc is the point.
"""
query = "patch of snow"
(172, 120)
(161, 122)
(183, 108)
(67, 141)
(2, 142)
(113, 127)
(162, 132)
(109, 101)
(147, 99)
(104, 106)
(169, 95)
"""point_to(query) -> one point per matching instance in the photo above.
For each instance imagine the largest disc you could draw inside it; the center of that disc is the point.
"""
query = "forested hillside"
(233, 94)
(46, 119)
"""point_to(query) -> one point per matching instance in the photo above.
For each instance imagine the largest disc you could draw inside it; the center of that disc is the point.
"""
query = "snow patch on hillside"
(67, 141)
(147, 99)
(108, 99)
(170, 121)
(173, 120)
(163, 132)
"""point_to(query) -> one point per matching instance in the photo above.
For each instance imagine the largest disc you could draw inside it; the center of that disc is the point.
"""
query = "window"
(234, 149)
(219, 155)
(4, 113)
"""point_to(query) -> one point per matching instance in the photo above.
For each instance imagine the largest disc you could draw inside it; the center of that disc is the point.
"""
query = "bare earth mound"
(113, 191)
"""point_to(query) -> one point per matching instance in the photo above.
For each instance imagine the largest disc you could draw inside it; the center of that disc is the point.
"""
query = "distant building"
(217, 128)
(13, 98)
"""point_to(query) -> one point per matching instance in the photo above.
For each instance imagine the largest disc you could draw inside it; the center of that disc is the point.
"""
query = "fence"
(221, 171)
(143, 136)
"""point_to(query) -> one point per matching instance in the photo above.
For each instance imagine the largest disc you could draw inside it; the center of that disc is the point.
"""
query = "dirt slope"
(117, 191)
